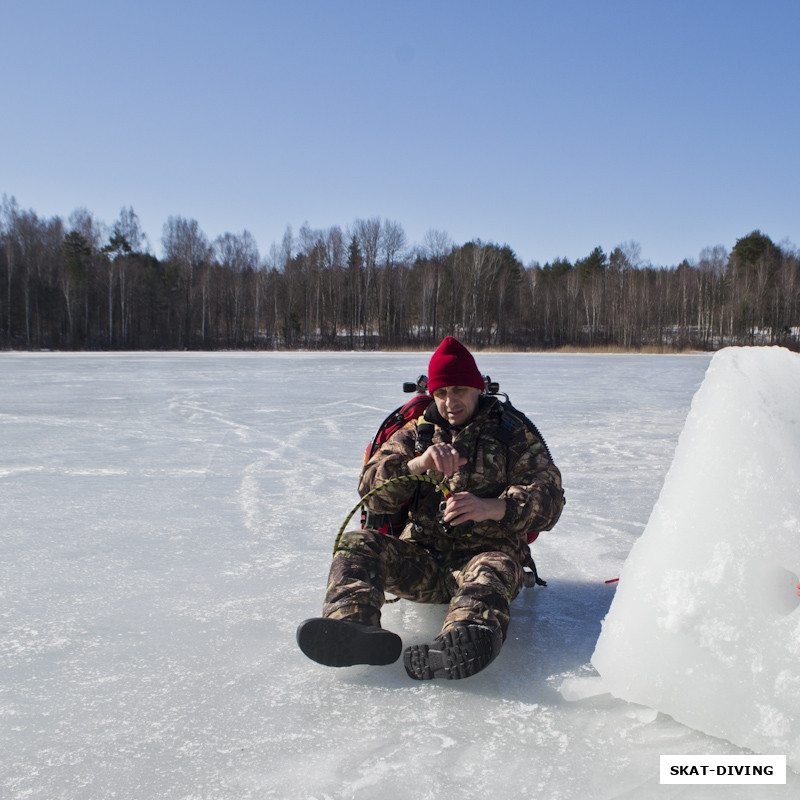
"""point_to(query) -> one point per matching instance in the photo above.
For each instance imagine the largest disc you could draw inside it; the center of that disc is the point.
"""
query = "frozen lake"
(167, 521)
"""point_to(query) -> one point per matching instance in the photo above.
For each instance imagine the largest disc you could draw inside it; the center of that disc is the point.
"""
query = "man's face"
(457, 404)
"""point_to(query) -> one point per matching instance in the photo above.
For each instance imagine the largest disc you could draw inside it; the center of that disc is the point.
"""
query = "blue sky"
(550, 127)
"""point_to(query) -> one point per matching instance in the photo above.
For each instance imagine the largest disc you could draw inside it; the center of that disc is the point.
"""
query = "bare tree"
(335, 257)
(368, 234)
(32, 241)
(8, 220)
(437, 245)
(187, 248)
(129, 228)
(392, 245)
(238, 256)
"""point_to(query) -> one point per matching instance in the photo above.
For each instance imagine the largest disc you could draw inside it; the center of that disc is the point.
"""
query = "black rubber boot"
(459, 653)
(340, 643)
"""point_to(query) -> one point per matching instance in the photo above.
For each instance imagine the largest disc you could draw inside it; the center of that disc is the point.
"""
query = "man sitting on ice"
(469, 552)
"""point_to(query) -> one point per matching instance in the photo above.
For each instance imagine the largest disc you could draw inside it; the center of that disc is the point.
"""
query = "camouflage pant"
(479, 589)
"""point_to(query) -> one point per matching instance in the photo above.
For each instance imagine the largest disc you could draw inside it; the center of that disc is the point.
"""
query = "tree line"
(80, 284)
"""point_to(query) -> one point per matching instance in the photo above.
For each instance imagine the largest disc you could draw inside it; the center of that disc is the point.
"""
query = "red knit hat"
(453, 365)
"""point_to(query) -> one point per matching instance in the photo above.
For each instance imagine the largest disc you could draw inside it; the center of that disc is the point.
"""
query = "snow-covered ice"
(704, 618)
(166, 521)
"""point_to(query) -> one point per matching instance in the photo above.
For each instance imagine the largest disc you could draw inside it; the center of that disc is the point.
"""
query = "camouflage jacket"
(504, 459)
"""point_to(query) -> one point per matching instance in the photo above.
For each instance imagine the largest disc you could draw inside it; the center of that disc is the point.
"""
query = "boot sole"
(459, 653)
(339, 643)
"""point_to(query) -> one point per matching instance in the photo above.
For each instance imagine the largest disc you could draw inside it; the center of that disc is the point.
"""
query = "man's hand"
(465, 507)
(442, 457)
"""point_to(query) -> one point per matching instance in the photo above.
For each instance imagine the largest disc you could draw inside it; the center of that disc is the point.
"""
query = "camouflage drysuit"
(475, 567)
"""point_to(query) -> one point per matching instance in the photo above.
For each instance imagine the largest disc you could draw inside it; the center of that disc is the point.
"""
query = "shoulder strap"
(425, 429)
(512, 418)
(413, 409)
